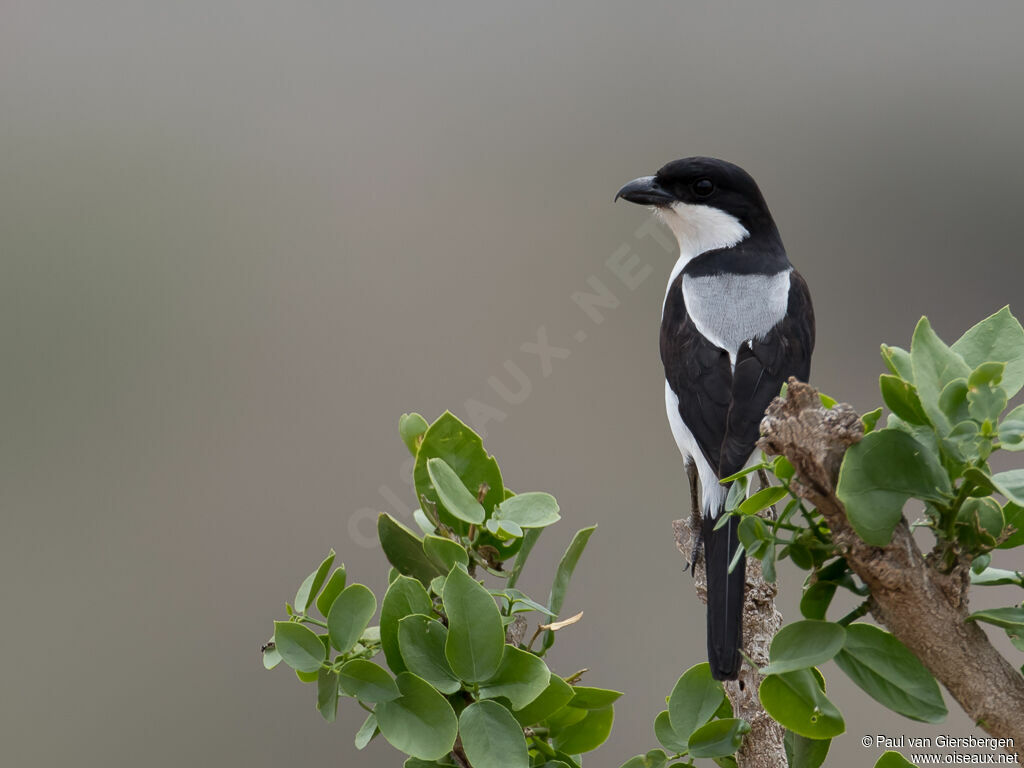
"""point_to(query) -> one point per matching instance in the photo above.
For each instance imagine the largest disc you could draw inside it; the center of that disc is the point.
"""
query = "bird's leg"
(763, 476)
(695, 514)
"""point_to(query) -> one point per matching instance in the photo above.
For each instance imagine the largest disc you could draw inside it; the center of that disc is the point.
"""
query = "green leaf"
(667, 736)
(557, 694)
(754, 535)
(453, 494)
(953, 403)
(327, 694)
(404, 550)
(986, 403)
(563, 575)
(1013, 515)
(476, 638)
(718, 738)
(423, 522)
(1008, 618)
(694, 699)
(763, 499)
(782, 468)
(890, 674)
(737, 493)
(521, 678)
(593, 698)
(935, 365)
(271, 658)
(420, 722)
(491, 737)
(796, 701)
(656, 758)
(300, 647)
(879, 474)
(367, 731)
(802, 752)
(804, 644)
(1010, 484)
(892, 759)
(901, 398)
(422, 640)
(404, 597)
(444, 553)
(588, 734)
(350, 615)
(898, 362)
(986, 374)
(997, 338)
(993, 577)
(1011, 431)
(367, 681)
(331, 590)
(529, 510)
(311, 585)
(870, 419)
(463, 451)
(504, 530)
(816, 599)
(411, 427)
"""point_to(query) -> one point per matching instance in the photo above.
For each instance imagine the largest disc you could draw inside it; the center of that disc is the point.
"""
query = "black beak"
(645, 191)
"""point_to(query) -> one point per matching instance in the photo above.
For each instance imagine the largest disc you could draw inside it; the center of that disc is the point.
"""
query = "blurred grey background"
(240, 238)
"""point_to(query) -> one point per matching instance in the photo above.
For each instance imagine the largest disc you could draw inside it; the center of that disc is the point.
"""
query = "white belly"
(729, 309)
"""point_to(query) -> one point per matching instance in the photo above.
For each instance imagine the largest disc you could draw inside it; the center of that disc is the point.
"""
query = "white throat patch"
(699, 229)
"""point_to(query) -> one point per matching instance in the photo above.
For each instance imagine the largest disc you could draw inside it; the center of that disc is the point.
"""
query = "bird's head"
(708, 203)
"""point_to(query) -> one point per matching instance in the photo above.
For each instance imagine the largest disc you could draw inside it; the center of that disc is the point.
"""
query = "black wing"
(723, 408)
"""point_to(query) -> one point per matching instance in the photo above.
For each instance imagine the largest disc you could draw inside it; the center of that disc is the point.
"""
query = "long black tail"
(725, 597)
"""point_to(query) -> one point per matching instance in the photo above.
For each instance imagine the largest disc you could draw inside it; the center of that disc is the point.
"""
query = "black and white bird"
(736, 322)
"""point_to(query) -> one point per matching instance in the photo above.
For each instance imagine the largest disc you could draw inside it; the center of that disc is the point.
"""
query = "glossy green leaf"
(311, 585)
(879, 474)
(588, 734)
(367, 731)
(463, 451)
(367, 681)
(763, 499)
(890, 674)
(892, 759)
(405, 597)
(1008, 618)
(667, 736)
(935, 365)
(802, 752)
(491, 737)
(816, 599)
(453, 494)
(350, 615)
(476, 637)
(563, 575)
(420, 722)
(331, 590)
(327, 694)
(529, 510)
(755, 536)
(804, 644)
(796, 701)
(404, 550)
(411, 427)
(586, 697)
(556, 695)
(998, 338)
(300, 647)
(694, 699)
(444, 553)
(718, 738)
(901, 398)
(521, 678)
(422, 641)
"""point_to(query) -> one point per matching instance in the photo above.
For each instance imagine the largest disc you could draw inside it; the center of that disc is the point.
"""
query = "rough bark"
(763, 746)
(923, 608)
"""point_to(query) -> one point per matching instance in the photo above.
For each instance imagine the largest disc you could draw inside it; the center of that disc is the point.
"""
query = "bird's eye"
(703, 187)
